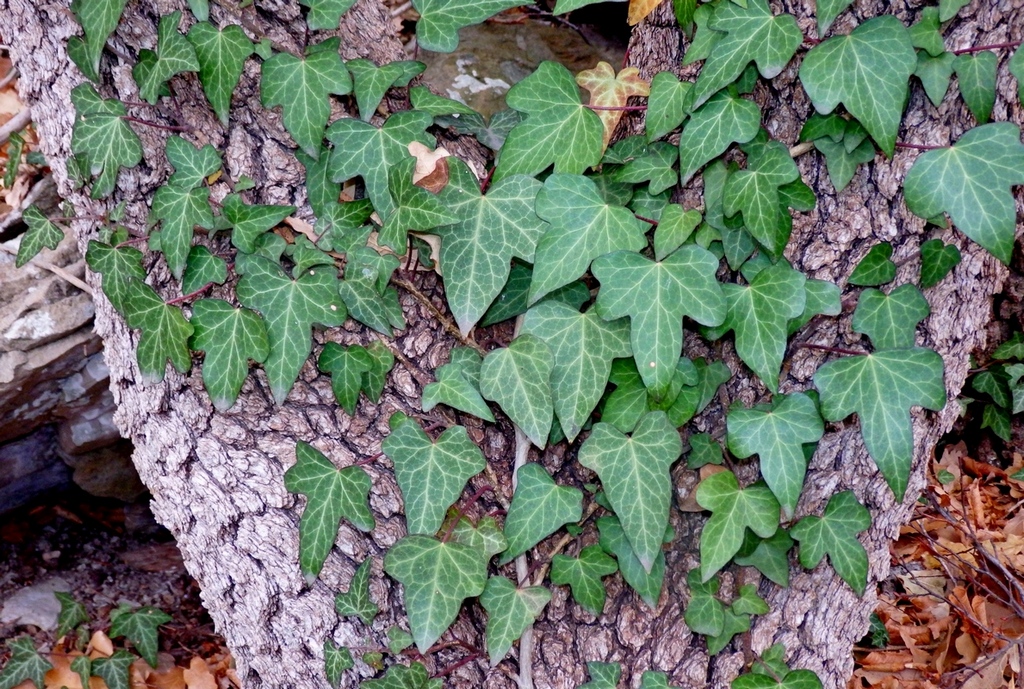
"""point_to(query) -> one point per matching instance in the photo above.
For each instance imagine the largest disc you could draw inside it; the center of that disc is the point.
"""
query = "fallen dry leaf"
(198, 675)
(639, 9)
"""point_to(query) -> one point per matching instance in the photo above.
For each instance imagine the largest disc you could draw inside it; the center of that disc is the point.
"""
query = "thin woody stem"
(991, 46)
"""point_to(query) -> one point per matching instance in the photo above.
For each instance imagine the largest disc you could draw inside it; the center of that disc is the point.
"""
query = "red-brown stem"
(185, 297)
(455, 666)
(652, 222)
(486, 181)
(619, 108)
(369, 460)
(832, 350)
(992, 46)
(155, 125)
(456, 518)
(917, 147)
(65, 219)
(476, 496)
(132, 240)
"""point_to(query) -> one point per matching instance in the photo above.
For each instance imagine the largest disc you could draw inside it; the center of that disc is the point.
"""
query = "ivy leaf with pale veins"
(733, 510)
(432, 475)
(755, 192)
(723, 120)
(876, 268)
(174, 55)
(674, 227)
(119, 266)
(374, 379)
(822, 298)
(416, 209)
(797, 679)
(656, 295)
(138, 626)
(372, 82)
(949, 8)
(558, 130)
(842, 164)
(325, 14)
(1017, 70)
(539, 508)
(777, 435)
(248, 222)
(610, 90)
(98, 19)
(290, 309)
(976, 75)
(115, 669)
(760, 313)
(437, 577)
(402, 677)
(440, 20)
(41, 233)
(364, 150)
(191, 165)
(634, 474)
(518, 378)
(583, 346)
(72, 613)
(302, 88)
(486, 537)
(331, 494)
(458, 387)
(398, 639)
(510, 610)
(867, 71)
(25, 663)
(890, 320)
(222, 55)
(880, 388)
(925, 33)
(102, 138)
(583, 227)
(347, 366)
(165, 331)
(667, 105)
(937, 259)
(179, 210)
(971, 181)
(603, 675)
(614, 542)
(704, 614)
(827, 11)
(652, 679)
(835, 534)
(693, 399)
(934, 73)
(356, 602)
(656, 167)
(230, 337)
(704, 449)
(769, 555)
(583, 575)
(203, 268)
(749, 34)
(337, 659)
(369, 307)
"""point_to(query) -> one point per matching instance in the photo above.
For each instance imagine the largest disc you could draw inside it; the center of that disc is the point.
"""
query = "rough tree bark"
(216, 479)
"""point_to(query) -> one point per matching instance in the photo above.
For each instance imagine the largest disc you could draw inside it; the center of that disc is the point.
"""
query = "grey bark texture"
(216, 478)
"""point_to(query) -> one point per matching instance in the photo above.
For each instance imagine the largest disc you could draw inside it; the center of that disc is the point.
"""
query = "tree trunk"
(216, 478)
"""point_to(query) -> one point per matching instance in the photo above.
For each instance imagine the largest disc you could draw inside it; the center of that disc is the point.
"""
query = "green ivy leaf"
(970, 181)
(331, 494)
(432, 475)
(398, 639)
(356, 602)
(25, 663)
(694, 398)
(750, 34)
(634, 474)
(876, 268)
(890, 320)
(704, 614)
(369, 307)
(603, 675)
(179, 210)
(937, 259)
(827, 11)
(1011, 349)
(115, 669)
(614, 542)
(191, 165)
(347, 367)
(102, 138)
(249, 222)
(1017, 70)
(440, 20)
(486, 537)
(998, 419)
(655, 166)
(654, 680)
(977, 77)
(881, 388)
(458, 386)
(867, 71)
(755, 192)
(437, 577)
(842, 164)
(376, 377)
(656, 296)
(539, 508)
(674, 228)
(402, 677)
(372, 82)
(416, 209)
(822, 298)
(704, 450)
(583, 575)
(667, 105)
(325, 14)
(72, 613)
(518, 378)
(302, 88)
(305, 255)
(98, 19)
(81, 666)
(337, 660)
(934, 73)
(174, 55)
(733, 510)
(723, 120)
(925, 34)
(222, 55)
(510, 610)
(769, 555)
(835, 534)
(230, 337)
(362, 149)
(120, 267)
(583, 346)
(41, 232)
(797, 679)
(165, 332)
(558, 129)
(734, 624)
(777, 435)
(290, 309)
(949, 8)
(138, 626)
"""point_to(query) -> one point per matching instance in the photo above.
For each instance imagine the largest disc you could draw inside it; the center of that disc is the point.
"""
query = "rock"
(30, 467)
(35, 605)
(107, 472)
(91, 428)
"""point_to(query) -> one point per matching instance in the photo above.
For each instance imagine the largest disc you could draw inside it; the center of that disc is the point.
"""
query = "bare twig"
(15, 124)
(436, 312)
(401, 9)
(10, 76)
